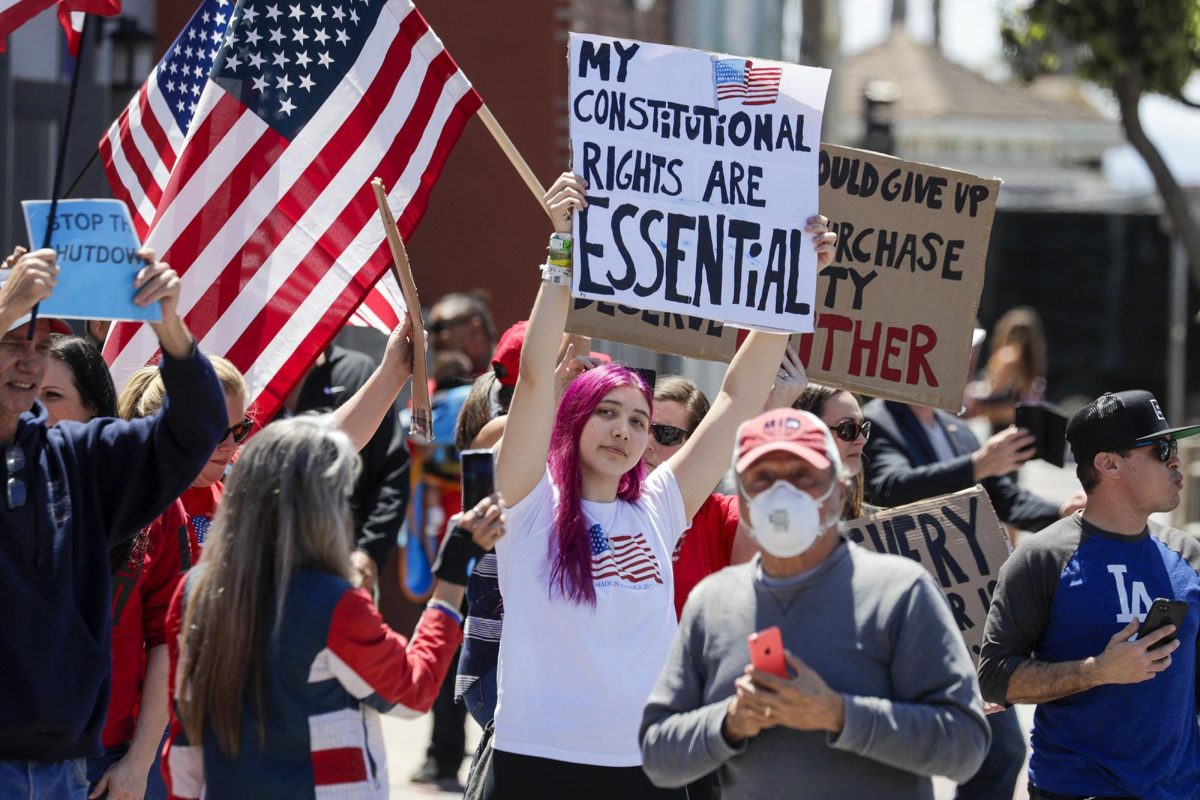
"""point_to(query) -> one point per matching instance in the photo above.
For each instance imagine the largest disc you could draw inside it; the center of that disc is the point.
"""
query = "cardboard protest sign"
(701, 172)
(896, 308)
(958, 538)
(691, 337)
(97, 258)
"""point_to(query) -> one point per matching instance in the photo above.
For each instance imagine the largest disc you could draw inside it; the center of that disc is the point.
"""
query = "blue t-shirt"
(1060, 597)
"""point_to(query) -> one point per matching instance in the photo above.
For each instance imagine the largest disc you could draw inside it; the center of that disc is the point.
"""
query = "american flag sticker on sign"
(735, 78)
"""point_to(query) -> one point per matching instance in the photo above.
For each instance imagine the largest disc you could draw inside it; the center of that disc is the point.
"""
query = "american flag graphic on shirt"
(738, 77)
(625, 557)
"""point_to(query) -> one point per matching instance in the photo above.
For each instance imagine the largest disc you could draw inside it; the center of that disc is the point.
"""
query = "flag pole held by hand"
(421, 430)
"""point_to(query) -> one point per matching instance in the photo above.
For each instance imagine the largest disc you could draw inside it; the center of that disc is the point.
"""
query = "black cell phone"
(478, 476)
(1163, 612)
(1049, 428)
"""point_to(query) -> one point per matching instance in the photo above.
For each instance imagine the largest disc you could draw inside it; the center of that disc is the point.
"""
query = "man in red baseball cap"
(880, 692)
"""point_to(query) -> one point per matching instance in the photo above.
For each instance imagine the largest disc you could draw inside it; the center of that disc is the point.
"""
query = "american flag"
(738, 77)
(15, 13)
(628, 558)
(248, 156)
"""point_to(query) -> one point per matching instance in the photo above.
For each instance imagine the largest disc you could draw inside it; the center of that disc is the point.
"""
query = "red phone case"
(766, 652)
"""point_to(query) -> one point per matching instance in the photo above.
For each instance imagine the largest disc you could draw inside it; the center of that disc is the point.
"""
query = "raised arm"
(701, 462)
(531, 415)
(361, 415)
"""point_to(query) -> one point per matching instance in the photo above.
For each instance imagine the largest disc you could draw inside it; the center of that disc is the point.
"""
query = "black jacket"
(901, 467)
(380, 497)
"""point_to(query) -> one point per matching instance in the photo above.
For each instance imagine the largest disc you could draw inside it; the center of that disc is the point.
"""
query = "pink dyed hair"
(571, 568)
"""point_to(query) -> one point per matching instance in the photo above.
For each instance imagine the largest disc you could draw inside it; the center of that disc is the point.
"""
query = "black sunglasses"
(240, 431)
(1166, 448)
(848, 430)
(668, 435)
(441, 325)
(14, 461)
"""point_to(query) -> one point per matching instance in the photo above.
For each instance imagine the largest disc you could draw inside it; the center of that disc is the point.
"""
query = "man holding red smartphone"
(1116, 714)
(880, 691)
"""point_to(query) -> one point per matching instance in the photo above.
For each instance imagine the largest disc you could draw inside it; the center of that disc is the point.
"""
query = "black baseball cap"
(1120, 421)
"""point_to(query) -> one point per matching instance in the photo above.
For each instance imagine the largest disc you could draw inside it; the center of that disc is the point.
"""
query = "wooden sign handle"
(421, 430)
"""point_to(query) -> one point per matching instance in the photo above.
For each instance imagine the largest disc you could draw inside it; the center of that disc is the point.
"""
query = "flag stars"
(191, 35)
(273, 13)
(281, 60)
(233, 62)
(276, 35)
(198, 72)
(324, 60)
(283, 83)
(303, 59)
(220, 19)
(317, 13)
(287, 107)
(253, 37)
(299, 36)
(260, 84)
(295, 12)
(256, 61)
(306, 83)
(215, 35)
(320, 36)
(354, 16)
(250, 13)
(338, 14)
(342, 37)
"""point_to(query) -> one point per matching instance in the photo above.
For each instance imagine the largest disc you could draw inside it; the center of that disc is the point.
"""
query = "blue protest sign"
(97, 257)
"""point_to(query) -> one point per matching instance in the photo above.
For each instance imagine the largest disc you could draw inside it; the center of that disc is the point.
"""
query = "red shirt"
(201, 506)
(142, 592)
(706, 546)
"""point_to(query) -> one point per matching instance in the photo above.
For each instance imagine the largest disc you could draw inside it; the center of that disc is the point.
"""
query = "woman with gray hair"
(279, 666)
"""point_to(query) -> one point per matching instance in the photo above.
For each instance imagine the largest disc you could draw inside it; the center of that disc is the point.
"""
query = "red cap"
(506, 361)
(56, 325)
(783, 430)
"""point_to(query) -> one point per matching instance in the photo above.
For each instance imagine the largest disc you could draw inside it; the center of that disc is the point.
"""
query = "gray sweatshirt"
(877, 629)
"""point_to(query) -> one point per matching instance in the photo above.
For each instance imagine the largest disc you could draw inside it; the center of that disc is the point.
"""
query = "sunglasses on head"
(1166, 448)
(14, 461)
(848, 430)
(240, 431)
(668, 435)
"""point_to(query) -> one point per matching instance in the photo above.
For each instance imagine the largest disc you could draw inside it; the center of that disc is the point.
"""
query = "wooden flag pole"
(421, 430)
(514, 156)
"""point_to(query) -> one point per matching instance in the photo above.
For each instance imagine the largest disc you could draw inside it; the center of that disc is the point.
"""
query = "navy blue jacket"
(900, 467)
(88, 486)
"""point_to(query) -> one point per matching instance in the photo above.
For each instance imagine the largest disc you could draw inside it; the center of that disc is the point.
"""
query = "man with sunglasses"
(70, 492)
(1116, 715)
(917, 452)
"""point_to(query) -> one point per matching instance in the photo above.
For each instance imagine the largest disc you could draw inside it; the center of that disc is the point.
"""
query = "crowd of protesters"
(187, 594)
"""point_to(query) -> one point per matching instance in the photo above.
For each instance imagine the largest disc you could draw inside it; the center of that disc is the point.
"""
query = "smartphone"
(766, 652)
(1163, 612)
(478, 476)
(1049, 428)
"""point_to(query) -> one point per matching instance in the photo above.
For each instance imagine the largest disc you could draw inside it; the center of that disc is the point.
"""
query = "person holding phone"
(880, 691)
(1116, 712)
(585, 564)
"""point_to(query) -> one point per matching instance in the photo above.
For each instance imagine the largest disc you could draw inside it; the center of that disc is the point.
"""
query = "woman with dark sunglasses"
(841, 411)
(143, 395)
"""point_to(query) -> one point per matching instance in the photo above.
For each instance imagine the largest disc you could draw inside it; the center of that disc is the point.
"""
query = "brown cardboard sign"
(691, 337)
(895, 310)
(957, 538)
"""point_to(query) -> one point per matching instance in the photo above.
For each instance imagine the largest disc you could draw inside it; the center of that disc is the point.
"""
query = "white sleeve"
(664, 503)
(530, 517)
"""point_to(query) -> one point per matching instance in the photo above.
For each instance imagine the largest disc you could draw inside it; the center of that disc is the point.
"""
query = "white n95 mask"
(784, 520)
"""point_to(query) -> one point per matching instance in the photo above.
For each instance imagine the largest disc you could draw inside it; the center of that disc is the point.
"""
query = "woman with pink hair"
(585, 569)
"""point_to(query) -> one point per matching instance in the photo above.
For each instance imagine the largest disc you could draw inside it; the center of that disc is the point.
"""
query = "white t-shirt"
(573, 679)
